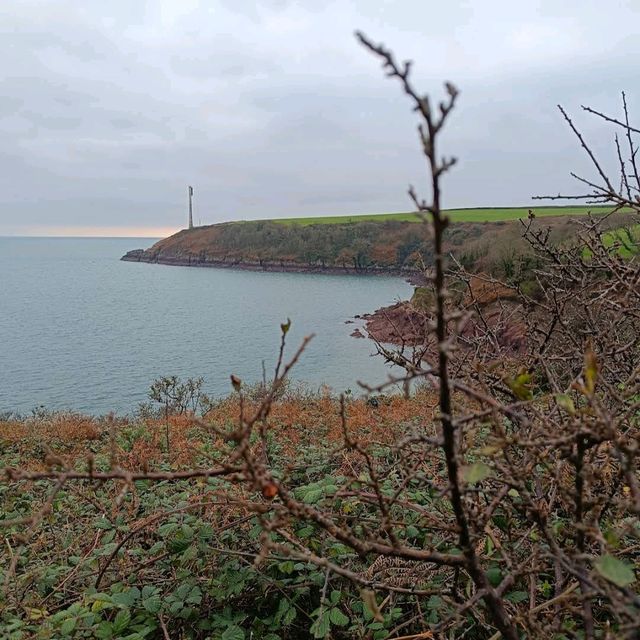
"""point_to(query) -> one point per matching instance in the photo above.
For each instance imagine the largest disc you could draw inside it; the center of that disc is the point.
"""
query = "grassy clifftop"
(480, 214)
(391, 243)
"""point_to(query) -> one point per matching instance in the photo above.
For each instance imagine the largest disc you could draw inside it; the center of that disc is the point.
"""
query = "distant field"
(625, 241)
(493, 214)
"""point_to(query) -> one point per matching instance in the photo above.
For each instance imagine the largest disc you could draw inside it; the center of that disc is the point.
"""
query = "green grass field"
(493, 214)
(625, 242)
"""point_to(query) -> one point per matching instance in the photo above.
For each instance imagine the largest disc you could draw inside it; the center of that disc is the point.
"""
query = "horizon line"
(63, 237)
(163, 232)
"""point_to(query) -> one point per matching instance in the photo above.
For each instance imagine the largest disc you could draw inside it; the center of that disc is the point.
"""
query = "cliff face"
(362, 248)
(385, 247)
(140, 255)
(390, 247)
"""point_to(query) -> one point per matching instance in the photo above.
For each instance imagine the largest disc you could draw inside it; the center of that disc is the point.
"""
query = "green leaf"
(521, 386)
(100, 601)
(565, 402)
(126, 598)
(517, 596)
(206, 532)
(104, 631)
(148, 590)
(286, 567)
(121, 621)
(166, 529)
(152, 604)
(311, 497)
(494, 575)
(195, 596)
(289, 617)
(615, 570)
(178, 543)
(283, 607)
(320, 628)
(68, 626)
(612, 538)
(477, 472)
(338, 618)
(234, 632)
(155, 549)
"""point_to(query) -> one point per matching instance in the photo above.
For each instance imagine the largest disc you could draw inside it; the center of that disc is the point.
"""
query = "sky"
(270, 109)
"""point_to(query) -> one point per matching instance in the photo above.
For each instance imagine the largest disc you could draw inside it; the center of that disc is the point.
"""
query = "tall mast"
(190, 207)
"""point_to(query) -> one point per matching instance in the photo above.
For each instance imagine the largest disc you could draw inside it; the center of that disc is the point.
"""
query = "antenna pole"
(190, 207)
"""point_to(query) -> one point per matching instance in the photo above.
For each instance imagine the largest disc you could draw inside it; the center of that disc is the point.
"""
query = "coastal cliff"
(290, 266)
(389, 247)
(385, 247)
(367, 248)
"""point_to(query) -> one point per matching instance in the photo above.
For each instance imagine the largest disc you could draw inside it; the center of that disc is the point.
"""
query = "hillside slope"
(367, 247)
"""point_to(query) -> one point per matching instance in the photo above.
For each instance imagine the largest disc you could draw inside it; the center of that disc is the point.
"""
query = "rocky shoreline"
(402, 324)
(412, 276)
(398, 324)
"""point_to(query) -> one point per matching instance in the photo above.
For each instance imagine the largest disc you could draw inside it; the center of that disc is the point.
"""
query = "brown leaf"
(270, 491)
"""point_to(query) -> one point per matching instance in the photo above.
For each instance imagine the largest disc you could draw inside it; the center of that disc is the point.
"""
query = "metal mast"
(190, 207)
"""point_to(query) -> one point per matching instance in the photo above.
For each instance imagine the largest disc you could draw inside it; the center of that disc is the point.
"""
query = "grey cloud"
(271, 109)
(227, 61)
(51, 121)
(122, 123)
(74, 45)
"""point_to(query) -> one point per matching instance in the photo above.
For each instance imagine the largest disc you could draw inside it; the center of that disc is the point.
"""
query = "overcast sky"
(108, 110)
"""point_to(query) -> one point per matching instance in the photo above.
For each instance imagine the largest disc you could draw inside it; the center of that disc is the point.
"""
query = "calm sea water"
(81, 330)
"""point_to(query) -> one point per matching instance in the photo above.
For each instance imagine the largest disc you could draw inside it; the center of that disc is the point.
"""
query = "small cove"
(81, 330)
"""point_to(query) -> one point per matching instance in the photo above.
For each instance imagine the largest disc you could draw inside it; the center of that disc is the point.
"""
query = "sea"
(81, 330)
